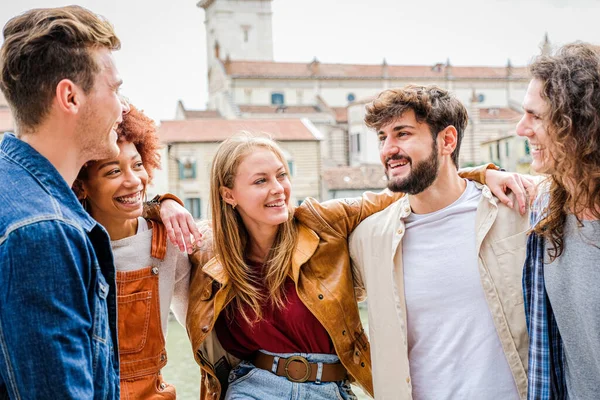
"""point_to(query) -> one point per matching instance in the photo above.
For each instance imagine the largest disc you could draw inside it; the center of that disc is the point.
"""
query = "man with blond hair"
(57, 277)
(442, 265)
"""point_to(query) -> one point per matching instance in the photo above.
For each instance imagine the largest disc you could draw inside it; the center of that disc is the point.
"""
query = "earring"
(234, 205)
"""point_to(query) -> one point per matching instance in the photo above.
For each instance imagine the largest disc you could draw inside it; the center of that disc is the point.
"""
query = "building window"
(491, 152)
(246, 32)
(506, 146)
(355, 143)
(193, 205)
(277, 99)
(248, 95)
(299, 97)
(292, 167)
(187, 169)
(527, 149)
(351, 97)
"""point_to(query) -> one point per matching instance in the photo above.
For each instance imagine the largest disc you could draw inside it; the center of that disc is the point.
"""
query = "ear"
(449, 140)
(227, 195)
(69, 96)
(80, 187)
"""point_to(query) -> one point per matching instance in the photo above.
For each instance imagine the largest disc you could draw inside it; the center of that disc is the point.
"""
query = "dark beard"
(422, 175)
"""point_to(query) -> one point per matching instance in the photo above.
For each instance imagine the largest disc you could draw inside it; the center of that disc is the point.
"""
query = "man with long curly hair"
(562, 269)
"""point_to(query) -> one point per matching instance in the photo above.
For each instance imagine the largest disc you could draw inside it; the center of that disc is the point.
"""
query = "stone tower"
(238, 29)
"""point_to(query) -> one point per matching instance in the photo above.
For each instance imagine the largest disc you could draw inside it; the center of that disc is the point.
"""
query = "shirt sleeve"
(46, 323)
(179, 304)
(342, 216)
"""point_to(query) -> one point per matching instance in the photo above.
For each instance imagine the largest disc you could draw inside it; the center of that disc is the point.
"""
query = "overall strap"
(159, 240)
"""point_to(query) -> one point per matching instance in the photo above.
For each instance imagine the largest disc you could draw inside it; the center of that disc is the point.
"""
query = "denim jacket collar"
(48, 177)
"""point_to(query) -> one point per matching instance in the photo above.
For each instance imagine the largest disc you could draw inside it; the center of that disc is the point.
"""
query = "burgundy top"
(291, 329)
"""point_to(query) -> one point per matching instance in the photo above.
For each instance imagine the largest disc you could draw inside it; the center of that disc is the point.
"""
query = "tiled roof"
(216, 130)
(267, 109)
(271, 69)
(193, 114)
(341, 114)
(495, 113)
(363, 177)
(499, 139)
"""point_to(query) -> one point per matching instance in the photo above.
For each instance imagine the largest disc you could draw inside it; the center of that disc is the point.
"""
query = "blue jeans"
(248, 382)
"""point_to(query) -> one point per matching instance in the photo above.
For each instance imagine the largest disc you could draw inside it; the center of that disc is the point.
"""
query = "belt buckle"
(303, 361)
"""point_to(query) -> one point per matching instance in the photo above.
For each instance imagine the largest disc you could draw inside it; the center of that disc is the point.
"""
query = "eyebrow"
(116, 162)
(397, 128)
(264, 173)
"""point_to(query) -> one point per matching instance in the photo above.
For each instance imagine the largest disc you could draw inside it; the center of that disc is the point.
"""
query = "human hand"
(502, 183)
(180, 225)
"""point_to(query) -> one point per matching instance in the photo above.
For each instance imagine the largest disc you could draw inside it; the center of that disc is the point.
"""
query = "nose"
(523, 128)
(132, 179)
(277, 187)
(125, 104)
(388, 148)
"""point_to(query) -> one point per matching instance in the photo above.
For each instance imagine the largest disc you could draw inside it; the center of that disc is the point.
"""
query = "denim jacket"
(58, 334)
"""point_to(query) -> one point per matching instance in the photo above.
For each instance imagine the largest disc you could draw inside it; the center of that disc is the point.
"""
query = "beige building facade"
(246, 83)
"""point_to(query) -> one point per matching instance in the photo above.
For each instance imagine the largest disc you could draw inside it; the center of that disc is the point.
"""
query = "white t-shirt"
(454, 349)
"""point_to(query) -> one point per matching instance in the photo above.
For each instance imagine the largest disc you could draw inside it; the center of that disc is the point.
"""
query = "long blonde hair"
(231, 237)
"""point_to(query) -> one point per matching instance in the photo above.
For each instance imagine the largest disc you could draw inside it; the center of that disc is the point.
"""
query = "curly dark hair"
(140, 130)
(571, 87)
(431, 104)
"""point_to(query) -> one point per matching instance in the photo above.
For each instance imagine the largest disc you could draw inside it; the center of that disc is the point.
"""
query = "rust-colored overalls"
(142, 350)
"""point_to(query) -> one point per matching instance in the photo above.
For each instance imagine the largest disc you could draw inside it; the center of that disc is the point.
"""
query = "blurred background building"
(247, 86)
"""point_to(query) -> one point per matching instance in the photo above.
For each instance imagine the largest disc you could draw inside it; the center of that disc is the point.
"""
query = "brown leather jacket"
(323, 276)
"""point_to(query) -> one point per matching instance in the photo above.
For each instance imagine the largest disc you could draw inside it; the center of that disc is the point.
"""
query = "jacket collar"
(46, 175)
(308, 241)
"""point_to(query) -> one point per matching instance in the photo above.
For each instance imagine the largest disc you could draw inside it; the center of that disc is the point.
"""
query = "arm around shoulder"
(344, 215)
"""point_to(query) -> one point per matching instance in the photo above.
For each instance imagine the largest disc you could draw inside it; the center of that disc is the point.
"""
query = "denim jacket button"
(155, 270)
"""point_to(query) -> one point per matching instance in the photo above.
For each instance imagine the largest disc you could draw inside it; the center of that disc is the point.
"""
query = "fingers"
(520, 193)
(504, 198)
(178, 236)
(185, 233)
(197, 236)
(170, 231)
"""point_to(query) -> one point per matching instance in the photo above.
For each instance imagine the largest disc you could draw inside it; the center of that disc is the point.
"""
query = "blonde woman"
(277, 302)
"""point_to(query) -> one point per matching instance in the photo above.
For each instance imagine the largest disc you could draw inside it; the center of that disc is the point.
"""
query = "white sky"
(163, 57)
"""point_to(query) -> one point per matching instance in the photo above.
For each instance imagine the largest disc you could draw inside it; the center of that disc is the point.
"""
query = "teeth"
(397, 164)
(276, 204)
(131, 199)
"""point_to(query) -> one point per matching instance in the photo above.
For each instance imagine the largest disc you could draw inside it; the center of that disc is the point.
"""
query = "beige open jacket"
(376, 252)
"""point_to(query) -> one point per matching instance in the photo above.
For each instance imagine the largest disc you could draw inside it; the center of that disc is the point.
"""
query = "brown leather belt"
(298, 369)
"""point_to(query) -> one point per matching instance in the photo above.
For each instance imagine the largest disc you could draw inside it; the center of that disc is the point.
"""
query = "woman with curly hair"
(562, 269)
(152, 275)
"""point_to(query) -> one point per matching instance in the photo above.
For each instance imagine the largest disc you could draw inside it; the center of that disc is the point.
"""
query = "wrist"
(167, 196)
